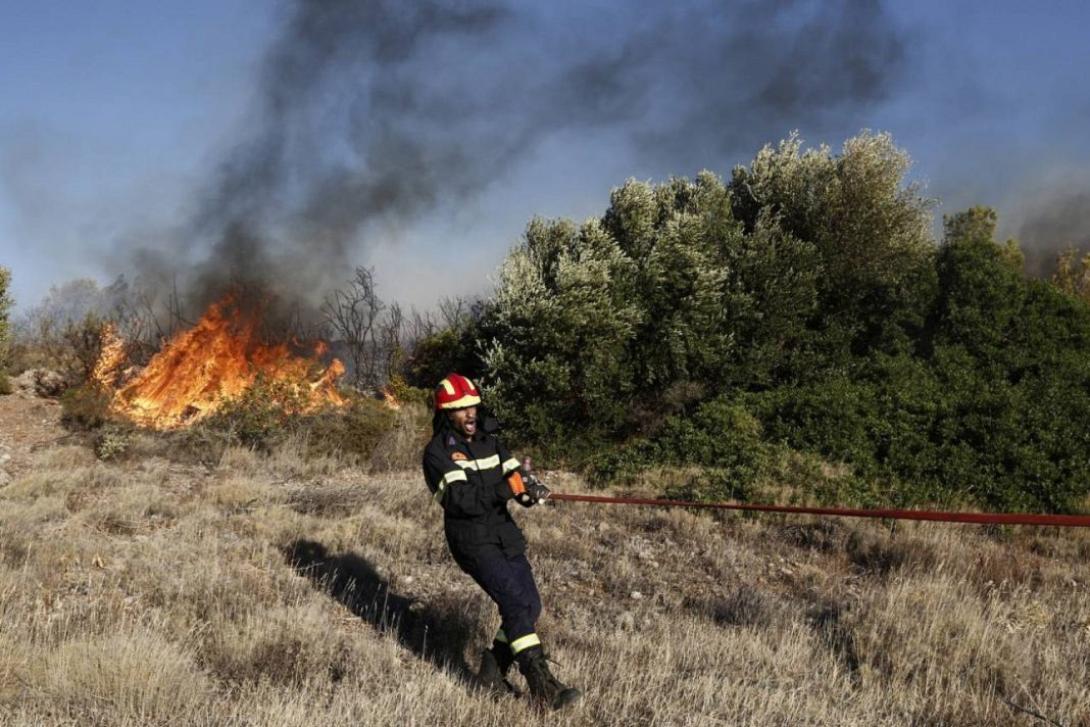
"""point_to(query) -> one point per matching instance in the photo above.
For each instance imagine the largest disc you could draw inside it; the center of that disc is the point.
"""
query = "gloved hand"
(534, 492)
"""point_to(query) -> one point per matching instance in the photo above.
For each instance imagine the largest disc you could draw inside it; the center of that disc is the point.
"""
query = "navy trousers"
(509, 581)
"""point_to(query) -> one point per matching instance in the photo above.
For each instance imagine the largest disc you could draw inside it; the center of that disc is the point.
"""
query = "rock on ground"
(40, 382)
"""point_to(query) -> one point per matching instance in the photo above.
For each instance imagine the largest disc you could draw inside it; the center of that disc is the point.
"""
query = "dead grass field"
(280, 591)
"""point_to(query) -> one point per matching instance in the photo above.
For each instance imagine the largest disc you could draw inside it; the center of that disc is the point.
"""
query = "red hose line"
(979, 518)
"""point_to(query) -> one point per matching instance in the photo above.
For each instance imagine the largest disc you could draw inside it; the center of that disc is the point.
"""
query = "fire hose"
(976, 518)
(979, 518)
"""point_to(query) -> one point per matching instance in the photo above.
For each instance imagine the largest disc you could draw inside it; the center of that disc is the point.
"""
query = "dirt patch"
(27, 423)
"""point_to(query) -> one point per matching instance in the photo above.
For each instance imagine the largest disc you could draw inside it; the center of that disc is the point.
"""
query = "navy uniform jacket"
(469, 480)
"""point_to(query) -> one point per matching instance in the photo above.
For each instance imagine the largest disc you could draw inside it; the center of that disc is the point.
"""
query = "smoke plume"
(373, 113)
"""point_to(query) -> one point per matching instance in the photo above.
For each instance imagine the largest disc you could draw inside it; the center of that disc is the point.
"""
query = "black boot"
(495, 663)
(545, 689)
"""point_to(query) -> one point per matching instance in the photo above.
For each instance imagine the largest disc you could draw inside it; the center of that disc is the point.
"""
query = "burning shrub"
(224, 384)
(220, 359)
(83, 342)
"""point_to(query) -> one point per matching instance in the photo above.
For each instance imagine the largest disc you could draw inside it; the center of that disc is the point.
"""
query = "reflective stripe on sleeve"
(510, 465)
(455, 476)
(449, 477)
(500, 637)
(479, 464)
(524, 642)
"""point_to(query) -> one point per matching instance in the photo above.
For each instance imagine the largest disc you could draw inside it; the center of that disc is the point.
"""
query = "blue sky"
(115, 116)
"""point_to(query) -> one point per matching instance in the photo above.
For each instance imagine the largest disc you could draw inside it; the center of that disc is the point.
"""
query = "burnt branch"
(352, 314)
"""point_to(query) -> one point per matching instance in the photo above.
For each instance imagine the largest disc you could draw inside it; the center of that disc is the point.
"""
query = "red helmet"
(456, 392)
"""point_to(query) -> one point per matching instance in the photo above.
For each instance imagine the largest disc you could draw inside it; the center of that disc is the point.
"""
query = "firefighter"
(472, 476)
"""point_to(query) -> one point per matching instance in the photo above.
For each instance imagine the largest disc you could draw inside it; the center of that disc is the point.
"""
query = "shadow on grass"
(438, 637)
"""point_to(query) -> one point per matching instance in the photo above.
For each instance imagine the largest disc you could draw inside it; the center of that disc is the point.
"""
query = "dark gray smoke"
(372, 113)
(746, 75)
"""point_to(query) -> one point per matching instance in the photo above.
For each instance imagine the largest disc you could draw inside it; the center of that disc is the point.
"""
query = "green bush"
(872, 232)
(113, 442)
(260, 417)
(834, 417)
(405, 393)
(436, 355)
(722, 436)
(86, 406)
(352, 432)
(718, 453)
(799, 324)
(619, 463)
(802, 262)
(804, 478)
(269, 413)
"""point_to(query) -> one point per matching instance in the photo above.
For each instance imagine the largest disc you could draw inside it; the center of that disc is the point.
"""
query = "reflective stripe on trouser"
(519, 644)
(523, 643)
(509, 582)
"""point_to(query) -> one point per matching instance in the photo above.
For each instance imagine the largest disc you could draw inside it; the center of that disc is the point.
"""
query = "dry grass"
(280, 591)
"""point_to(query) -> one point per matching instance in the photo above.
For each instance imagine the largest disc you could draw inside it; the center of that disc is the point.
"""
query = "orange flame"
(391, 400)
(216, 360)
(111, 357)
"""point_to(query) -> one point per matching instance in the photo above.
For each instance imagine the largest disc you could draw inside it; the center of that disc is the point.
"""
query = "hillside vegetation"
(283, 590)
(794, 332)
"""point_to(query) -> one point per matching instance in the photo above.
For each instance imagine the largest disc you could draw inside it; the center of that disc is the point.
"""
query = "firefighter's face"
(464, 420)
